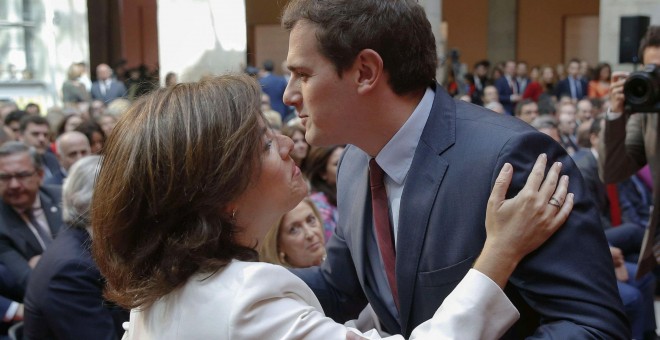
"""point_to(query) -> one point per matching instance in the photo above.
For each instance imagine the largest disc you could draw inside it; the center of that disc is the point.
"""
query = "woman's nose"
(286, 145)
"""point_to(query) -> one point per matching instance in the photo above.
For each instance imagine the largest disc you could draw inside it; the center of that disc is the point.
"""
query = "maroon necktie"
(384, 235)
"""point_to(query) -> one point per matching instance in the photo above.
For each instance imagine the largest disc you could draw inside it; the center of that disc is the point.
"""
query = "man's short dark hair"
(520, 105)
(595, 127)
(397, 30)
(269, 66)
(15, 116)
(650, 39)
(11, 148)
(574, 60)
(484, 63)
(30, 119)
(29, 105)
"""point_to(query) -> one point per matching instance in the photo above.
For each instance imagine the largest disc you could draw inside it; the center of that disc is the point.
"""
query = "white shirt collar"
(397, 155)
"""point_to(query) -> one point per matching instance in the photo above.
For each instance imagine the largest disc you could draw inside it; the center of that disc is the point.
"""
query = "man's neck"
(387, 118)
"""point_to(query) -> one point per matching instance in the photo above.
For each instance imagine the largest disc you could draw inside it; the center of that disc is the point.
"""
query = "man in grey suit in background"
(363, 74)
(106, 88)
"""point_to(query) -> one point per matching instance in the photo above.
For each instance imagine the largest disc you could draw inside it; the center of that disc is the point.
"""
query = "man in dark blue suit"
(572, 86)
(363, 74)
(274, 85)
(508, 88)
(64, 299)
(10, 309)
(106, 88)
(30, 215)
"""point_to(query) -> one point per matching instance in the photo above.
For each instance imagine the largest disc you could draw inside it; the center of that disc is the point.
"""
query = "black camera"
(642, 90)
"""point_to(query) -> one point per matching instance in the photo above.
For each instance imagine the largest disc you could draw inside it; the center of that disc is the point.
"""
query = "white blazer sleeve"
(275, 304)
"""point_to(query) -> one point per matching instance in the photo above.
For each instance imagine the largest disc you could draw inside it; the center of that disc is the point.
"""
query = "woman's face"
(605, 73)
(96, 142)
(548, 74)
(299, 147)
(301, 237)
(273, 191)
(107, 124)
(330, 175)
(534, 73)
(72, 123)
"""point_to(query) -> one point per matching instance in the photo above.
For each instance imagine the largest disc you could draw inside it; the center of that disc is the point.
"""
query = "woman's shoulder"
(217, 303)
(246, 280)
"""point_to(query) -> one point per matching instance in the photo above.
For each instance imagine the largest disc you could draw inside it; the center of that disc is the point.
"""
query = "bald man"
(71, 146)
(106, 88)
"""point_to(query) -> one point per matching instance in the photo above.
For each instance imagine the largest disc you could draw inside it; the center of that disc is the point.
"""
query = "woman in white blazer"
(191, 182)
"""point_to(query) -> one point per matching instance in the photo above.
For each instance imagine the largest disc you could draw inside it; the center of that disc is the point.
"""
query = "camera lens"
(638, 90)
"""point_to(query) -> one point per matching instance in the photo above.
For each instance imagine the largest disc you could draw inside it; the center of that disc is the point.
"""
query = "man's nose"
(13, 182)
(292, 96)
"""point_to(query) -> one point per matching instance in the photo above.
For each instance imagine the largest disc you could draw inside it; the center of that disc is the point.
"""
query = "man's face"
(15, 128)
(651, 55)
(19, 180)
(521, 70)
(573, 68)
(566, 124)
(37, 136)
(510, 68)
(321, 98)
(584, 108)
(529, 112)
(103, 72)
(552, 132)
(481, 71)
(490, 94)
(72, 149)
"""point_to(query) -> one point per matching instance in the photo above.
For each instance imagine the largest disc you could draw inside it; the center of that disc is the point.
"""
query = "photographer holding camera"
(630, 138)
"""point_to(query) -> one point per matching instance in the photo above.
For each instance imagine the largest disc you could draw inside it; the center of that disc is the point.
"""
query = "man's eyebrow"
(295, 67)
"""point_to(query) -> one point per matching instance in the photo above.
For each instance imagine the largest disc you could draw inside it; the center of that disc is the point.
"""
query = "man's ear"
(40, 173)
(369, 70)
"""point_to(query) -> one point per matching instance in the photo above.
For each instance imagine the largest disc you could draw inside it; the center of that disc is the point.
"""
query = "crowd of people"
(194, 182)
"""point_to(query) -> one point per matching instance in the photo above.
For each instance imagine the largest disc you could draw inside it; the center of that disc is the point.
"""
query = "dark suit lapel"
(52, 213)
(19, 232)
(422, 184)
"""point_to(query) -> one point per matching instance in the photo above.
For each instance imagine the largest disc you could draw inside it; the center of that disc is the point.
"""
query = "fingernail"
(558, 164)
(566, 179)
(507, 167)
(543, 156)
(571, 196)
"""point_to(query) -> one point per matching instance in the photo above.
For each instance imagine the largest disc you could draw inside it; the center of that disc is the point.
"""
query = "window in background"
(16, 40)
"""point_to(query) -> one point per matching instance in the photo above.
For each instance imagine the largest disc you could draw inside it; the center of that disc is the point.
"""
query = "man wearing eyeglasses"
(30, 216)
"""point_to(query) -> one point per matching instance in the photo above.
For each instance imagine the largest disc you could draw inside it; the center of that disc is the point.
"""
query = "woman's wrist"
(497, 262)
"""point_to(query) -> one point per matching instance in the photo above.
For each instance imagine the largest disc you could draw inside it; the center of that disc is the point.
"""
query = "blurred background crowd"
(49, 155)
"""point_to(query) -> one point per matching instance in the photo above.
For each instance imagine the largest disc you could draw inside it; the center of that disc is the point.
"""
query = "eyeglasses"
(20, 176)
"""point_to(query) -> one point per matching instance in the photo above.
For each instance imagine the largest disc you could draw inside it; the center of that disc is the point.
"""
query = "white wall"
(610, 24)
(201, 37)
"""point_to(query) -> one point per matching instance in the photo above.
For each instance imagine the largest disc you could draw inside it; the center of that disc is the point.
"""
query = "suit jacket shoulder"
(64, 298)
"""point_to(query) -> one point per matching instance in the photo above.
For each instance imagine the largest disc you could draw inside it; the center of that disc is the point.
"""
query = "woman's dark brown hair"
(316, 164)
(177, 158)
